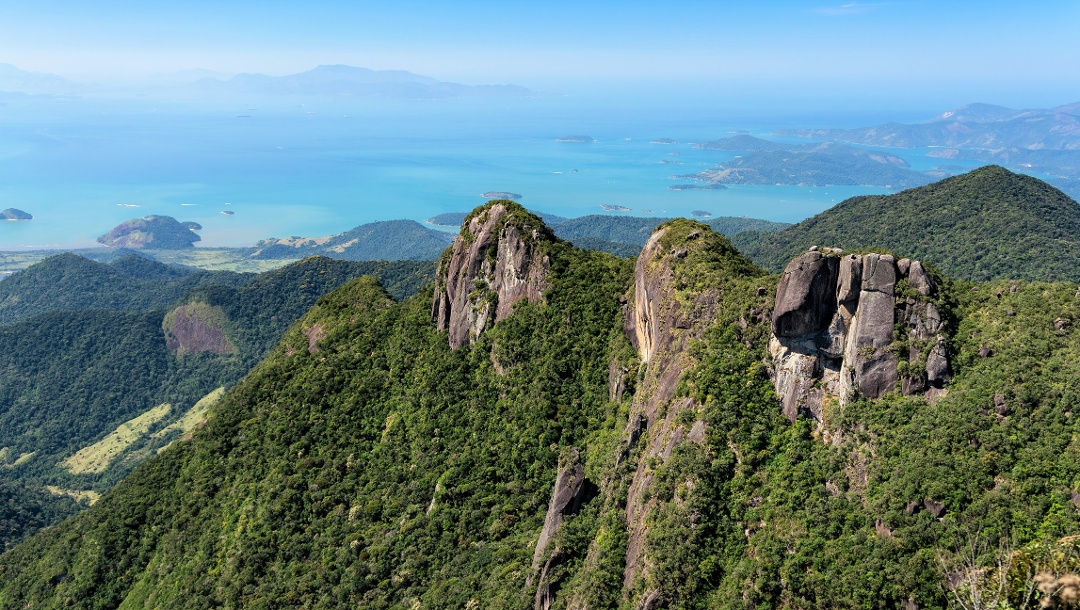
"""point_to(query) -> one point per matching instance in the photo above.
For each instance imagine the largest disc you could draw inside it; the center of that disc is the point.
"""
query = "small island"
(701, 214)
(152, 232)
(697, 187)
(500, 195)
(614, 208)
(576, 139)
(448, 219)
(663, 141)
(228, 212)
(15, 214)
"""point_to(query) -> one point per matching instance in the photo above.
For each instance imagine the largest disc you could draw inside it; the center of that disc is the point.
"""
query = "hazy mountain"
(1035, 140)
(987, 224)
(14, 80)
(349, 81)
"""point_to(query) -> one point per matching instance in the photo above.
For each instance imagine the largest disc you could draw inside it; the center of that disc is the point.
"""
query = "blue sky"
(1001, 52)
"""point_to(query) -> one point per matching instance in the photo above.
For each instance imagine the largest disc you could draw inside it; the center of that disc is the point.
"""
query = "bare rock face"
(496, 261)
(195, 328)
(661, 319)
(570, 493)
(834, 331)
(803, 298)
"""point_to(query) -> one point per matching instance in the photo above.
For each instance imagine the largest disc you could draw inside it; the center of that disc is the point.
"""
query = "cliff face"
(496, 261)
(675, 298)
(847, 323)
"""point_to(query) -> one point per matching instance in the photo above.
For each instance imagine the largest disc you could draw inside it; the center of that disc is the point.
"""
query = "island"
(500, 195)
(701, 214)
(614, 208)
(716, 186)
(448, 219)
(663, 141)
(576, 139)
(15, 214)
(152, 233)
(228, 212)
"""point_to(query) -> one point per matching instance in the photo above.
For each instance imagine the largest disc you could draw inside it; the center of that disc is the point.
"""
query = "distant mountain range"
(1034, 140)
(14, 80)
(330, 80)
(819, 164)
(349, 81)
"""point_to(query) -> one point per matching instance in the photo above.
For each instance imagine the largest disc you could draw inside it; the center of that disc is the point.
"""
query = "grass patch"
(97, 457)
(78, 494)
(195, 416)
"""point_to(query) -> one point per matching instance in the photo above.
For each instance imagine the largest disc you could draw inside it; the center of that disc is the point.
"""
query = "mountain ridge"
(989, 223)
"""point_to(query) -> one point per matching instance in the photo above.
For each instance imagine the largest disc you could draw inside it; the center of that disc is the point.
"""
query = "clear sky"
(1009, 52)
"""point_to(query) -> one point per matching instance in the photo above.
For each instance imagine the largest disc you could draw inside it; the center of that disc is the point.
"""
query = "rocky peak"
(498, 259)
(835, 330)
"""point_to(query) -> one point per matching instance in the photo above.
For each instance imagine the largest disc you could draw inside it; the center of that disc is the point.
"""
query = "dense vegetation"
(71, 282)
(70, 377)
(987, 224)
(376, 467)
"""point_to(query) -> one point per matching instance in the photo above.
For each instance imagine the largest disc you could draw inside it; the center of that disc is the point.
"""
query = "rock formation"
(834, 330)
(496, 261)
(570, 493)
(661, 319)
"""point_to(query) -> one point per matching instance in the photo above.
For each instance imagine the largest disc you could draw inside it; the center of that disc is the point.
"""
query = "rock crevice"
(840, 327)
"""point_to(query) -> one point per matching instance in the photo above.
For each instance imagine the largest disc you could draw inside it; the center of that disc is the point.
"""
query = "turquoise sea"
(302, 167)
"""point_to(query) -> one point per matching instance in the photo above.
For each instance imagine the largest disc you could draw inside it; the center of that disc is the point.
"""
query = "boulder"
(920, 280)
(806, 295)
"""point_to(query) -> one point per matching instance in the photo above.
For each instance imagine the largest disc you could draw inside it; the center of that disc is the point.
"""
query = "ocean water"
(317, 168)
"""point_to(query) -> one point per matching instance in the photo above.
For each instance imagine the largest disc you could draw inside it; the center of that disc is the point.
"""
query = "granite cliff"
(498, 259)
(846, 324)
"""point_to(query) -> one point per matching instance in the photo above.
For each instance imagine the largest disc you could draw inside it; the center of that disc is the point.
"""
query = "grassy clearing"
(97, 457)
(194, 416)
(78, 494)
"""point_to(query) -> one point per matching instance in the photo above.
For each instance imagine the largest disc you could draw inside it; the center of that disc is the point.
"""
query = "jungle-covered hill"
(606, 434)
(987, 224)
(106, 364)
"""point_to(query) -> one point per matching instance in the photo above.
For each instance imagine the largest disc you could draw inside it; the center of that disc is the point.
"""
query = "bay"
(318, 167)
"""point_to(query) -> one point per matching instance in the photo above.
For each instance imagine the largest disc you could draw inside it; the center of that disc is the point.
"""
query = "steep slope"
(617, 442)
(75, 382)
(987, 224)
(414, 495)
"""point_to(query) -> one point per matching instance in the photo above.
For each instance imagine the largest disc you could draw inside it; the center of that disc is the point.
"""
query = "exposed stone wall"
(495, 262)
(834, 330)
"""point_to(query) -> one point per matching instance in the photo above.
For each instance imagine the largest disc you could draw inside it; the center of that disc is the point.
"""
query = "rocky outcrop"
(195, 328)
(835, 330)
(496, 261)
(661, 318)
(570, 493)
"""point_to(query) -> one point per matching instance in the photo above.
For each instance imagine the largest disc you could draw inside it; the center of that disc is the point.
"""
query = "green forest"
(364, 463)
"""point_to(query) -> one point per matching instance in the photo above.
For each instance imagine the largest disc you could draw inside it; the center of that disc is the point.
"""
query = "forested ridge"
(91, 387)
(984, 225)
(366, 463)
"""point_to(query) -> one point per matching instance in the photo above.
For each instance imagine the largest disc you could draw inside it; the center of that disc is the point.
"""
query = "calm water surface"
(310, 168)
